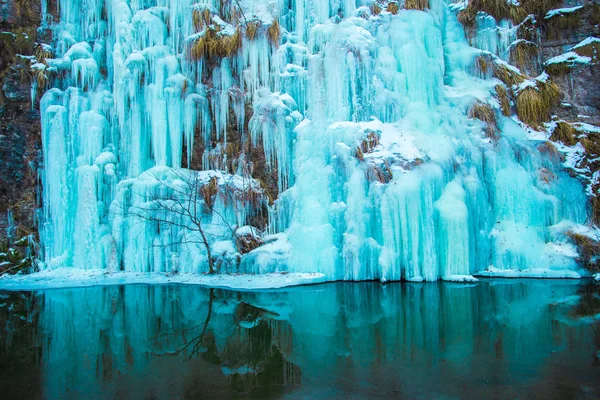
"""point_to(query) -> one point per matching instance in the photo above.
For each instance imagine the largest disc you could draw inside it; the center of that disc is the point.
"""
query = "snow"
(587, 41)
(570, 57)
(461, 278)
(588, 128)
(562, 11)
(541, 273)
(70, 277)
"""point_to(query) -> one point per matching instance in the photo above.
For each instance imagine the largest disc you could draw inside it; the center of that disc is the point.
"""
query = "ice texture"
(381, 173)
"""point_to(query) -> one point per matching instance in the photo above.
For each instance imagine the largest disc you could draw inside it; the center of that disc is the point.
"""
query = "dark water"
(496, 339)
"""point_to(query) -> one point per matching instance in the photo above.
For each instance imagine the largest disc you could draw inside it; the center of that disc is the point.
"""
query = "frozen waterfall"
(360, 120)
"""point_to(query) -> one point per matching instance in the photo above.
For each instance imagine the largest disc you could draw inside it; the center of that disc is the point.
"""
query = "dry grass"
(591, 50)
(517, 14)
(565, 133)
(393, 7)
(466, 17)
(524, 55)
(370, 141)
(381, 173)
(367, 145)
(375, 8)
(213, 44)
(201, 18)
(528, 30)
(596, 209)
(274, 33)
(252, 28)
(485, 113)
(42, 53)
(589, 249)
(594, 14)
(231, 13)
(184, 88)
(482, 64)
(501, 9)
(209, 191)
(558, 69)
(507, 75)
(539, 7)
(503, 99)
(41, 78)
(591, 144)
(416, 4)
(498, 9)
(358, 153)
(534, 103)
(557, 25)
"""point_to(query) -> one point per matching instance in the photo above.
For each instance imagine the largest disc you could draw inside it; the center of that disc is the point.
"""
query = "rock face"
(19, 121)
(581, 100)
(20, 143)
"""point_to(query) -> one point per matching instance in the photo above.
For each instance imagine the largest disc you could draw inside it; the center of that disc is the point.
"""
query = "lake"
(492, 339)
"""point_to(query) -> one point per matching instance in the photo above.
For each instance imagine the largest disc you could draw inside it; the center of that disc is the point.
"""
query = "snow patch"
(71, 277)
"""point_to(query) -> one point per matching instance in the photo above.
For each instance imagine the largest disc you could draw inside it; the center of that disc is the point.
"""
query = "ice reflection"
(496, 338)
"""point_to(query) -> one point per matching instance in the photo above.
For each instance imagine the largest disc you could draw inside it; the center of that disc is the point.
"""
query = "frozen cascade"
(361, 119)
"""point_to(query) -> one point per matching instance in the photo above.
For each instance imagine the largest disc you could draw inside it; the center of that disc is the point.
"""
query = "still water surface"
(495, 339)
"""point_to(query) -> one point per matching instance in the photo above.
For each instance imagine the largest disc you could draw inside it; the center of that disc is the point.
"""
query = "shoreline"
(71, 278)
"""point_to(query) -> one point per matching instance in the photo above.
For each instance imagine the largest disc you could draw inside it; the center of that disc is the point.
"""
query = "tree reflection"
(250, 358)
(494, 339)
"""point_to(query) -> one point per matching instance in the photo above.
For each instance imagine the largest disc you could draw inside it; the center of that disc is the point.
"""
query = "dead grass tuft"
(565, 133)
(416, 4)
(483, 65)
(560, 23)
(381, 173)
(485, 113)
(591, 144)
(215, 44)
(274, 33)
(589, 250)
(393, 7)
(558, 69)
(591, 50)
(201, 18)
(503, 99)
(524, 55)
(252, 28)
(375, 8)
(208, 192)
(509, 76)
(534, 103)
(499, 9)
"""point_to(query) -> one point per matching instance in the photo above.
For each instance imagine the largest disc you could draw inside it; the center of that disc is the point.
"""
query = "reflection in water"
(494, 339)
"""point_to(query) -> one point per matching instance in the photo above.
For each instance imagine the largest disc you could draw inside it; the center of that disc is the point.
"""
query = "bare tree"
(185, 201)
